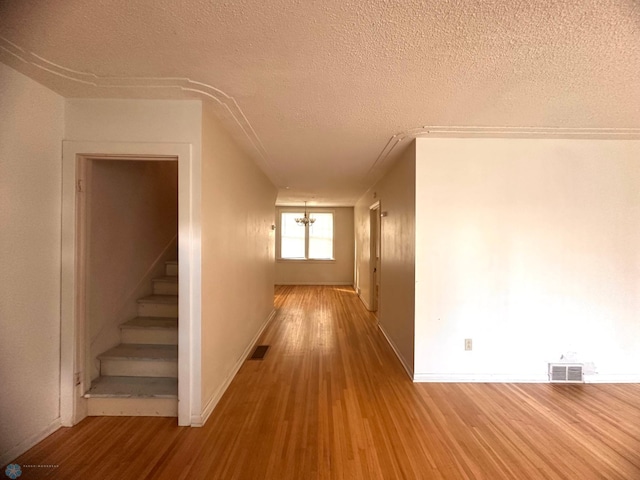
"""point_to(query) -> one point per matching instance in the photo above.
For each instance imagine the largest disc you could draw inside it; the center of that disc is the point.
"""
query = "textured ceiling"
(321, 92)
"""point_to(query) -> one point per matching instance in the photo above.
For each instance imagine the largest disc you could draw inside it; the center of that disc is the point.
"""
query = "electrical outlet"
(468, 344)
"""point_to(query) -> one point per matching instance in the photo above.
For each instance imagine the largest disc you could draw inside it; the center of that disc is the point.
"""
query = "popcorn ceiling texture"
(324, 85)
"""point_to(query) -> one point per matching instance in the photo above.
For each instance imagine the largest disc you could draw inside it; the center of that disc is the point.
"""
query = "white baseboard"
(337, 284)
(478, 378)
(406, 367)
(511, 378)
(201, 419)
(29, 442)
(612, 378)
(365, 303)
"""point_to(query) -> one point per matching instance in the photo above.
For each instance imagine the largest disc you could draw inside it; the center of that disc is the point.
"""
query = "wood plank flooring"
(331, 401)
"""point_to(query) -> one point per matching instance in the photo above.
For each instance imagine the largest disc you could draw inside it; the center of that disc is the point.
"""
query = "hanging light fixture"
(306, 220)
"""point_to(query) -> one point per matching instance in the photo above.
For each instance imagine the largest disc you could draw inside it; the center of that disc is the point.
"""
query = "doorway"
(128, 230)
(73, 368)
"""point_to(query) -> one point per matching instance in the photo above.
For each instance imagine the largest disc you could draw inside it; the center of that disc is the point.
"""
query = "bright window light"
(321, 237)
(314, 242)
(292, 236)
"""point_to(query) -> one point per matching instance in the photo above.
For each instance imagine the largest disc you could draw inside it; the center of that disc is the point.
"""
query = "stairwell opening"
(129, 239)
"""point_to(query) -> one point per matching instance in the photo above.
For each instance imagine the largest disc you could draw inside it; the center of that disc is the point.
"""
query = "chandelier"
(306, 220)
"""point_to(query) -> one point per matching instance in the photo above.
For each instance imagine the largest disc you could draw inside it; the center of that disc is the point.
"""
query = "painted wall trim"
(189, 257)
(29, 442)
(612, 378)
(479, 378)
(11, 51)
(337, 284)
(406, 367)
(366, 305)
(391, 148)
(508, 378)
(200, 420)
(17, 56)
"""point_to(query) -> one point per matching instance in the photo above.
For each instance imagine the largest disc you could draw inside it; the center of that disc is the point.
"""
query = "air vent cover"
(566, 373)
(259, 352)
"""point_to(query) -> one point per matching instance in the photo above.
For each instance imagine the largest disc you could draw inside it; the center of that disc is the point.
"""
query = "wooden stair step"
(167, 285)
(166, 278)
(127, 387)
(171, 268)
(133, 396)
(140, 360)
(139, 377)
(150, 330)
(162, 323)
(161, 299)
(141, 352)
(158, 306)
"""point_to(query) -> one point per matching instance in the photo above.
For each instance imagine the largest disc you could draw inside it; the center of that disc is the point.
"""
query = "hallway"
(330, 400)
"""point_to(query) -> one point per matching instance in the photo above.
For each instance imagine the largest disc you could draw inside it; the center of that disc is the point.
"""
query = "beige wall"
(233, 211)
(104, 120)
(31, 131)
(240, 261)
(319, 272)
(142, 127)
(237, 257)
(133, 212)
(530, 248)
(396, 193)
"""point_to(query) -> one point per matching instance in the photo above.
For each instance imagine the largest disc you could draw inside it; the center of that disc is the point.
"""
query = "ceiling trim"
(465, 131)
(231, 107)
(524, 132)
(184, 84)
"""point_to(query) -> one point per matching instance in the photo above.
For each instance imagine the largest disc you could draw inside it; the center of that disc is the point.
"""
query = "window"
(298, 242)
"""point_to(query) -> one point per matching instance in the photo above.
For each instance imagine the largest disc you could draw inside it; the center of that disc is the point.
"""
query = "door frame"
(72, 325)
(374, 254)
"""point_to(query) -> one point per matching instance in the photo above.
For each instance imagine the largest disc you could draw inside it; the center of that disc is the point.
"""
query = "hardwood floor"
(330, 400)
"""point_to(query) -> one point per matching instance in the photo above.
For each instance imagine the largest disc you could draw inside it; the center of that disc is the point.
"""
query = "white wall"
(133, 227)
(233, 212)
(396, 193)
(31, 131)
(237, 258)
(321, 272)
(142, 127)
(104, 120)
(530, 248)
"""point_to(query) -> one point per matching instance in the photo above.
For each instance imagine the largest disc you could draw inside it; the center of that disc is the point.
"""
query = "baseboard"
(478, 378)
(306, 284)
(29, 442)
(612, 378)
(406, 367)
(365, 303)
(201, 419)
(511, 378)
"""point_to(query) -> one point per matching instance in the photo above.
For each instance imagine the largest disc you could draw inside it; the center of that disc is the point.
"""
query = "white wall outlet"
(468, 344)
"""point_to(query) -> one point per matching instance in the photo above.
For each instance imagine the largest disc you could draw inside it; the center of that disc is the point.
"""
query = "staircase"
(139, 377)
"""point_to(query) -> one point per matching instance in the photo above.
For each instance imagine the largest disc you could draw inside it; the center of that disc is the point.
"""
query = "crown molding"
(168, 84)
(465, 131)
(523, 132)
(248, 133)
